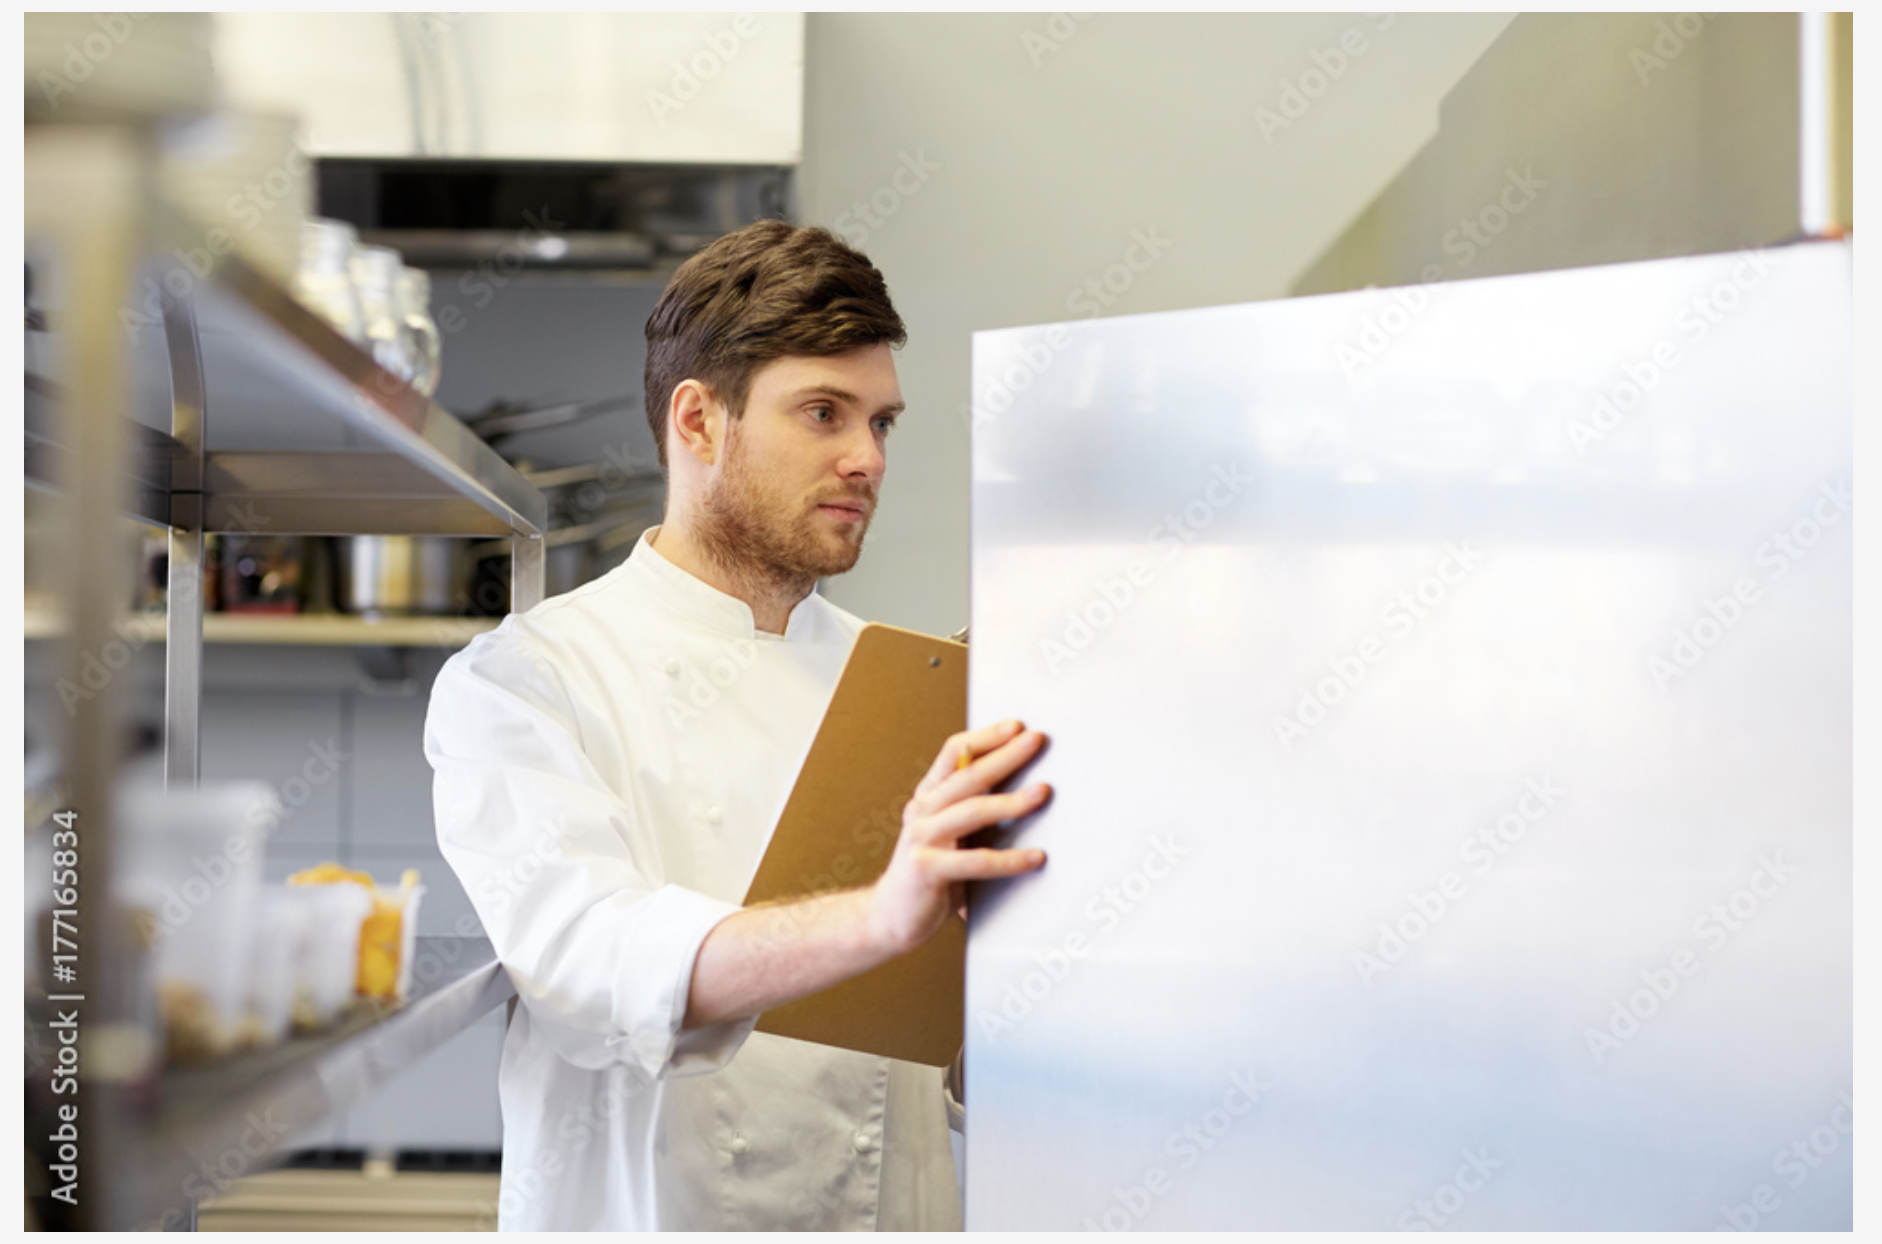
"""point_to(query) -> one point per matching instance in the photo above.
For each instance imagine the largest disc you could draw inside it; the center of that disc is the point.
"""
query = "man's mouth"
(845, 509)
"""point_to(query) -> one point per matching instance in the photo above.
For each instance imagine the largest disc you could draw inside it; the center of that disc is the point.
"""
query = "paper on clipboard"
(900, 696)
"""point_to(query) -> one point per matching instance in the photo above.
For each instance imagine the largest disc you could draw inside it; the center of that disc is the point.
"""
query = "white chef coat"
(608, 769)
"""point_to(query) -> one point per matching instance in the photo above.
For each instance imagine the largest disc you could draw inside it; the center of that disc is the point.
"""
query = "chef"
(609, 765)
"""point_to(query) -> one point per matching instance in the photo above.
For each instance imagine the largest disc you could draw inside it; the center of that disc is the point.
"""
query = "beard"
(755, 528)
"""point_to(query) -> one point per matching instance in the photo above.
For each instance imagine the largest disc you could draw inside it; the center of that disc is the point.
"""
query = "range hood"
(578, 217)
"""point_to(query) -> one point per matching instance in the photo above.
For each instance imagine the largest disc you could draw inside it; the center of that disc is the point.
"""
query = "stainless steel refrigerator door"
(1450, 701)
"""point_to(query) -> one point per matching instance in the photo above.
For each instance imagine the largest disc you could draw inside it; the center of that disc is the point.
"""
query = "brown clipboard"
(900, 696)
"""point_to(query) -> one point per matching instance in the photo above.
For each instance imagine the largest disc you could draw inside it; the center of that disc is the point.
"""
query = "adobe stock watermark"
(262, 1133)
(864, 216)
(996, 393)
(1300, 93)
(1714, 928)
(1052, 36)
(540, 236)
(210, 873)
(246, 210)
(1113, 595)
(818, 889)
(97, 667)
(1186, 1146)
(84, 56)
(700, 686)
(1795, 1163)
(1692, 324)
(1693, 642)
(1483, 851)
(1401, 616)
(1475, 1169)
(1669, 40)
(575, 1130)
(498, 889)
(691, 77)
(1103, 912)
(435, 957)
(1097, 294)
(620, 468)
(1462, 244)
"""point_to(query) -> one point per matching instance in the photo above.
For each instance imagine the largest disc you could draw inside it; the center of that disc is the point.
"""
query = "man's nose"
(862, 455)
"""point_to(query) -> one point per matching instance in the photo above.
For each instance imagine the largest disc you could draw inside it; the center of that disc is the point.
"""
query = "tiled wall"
(345, 754)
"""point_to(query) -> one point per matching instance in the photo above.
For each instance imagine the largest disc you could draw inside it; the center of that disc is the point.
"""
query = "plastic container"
(282, 918)
(386, 933)
(191, 863)
(389, 939)
(327, 963)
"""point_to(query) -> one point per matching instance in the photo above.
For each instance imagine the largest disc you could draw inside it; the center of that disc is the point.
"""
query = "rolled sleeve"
(567, 884)
(677, 921)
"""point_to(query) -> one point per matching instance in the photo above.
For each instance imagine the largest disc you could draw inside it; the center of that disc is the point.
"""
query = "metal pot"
(401, 576)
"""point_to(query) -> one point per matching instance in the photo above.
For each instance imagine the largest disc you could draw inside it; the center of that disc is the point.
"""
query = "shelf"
(249, 1105)
(303, 433)
(314, 630)
(230, 407)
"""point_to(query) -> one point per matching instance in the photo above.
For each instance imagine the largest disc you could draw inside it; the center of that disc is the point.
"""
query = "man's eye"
(822, 414)
(885, 425)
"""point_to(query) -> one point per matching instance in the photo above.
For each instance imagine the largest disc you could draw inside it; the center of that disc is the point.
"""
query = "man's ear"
(697, 421)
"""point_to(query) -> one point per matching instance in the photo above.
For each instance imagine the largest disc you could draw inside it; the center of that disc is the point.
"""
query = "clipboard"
(900, 696)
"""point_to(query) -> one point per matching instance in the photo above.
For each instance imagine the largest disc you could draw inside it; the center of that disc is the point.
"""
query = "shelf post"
(526, 572)
(88, 189)
(183, 647)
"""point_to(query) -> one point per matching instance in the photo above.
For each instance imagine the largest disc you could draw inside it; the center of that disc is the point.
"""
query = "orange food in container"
(386, 935)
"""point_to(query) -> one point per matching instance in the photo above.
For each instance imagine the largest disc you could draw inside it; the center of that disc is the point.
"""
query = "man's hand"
(765, 956)
(925, 876)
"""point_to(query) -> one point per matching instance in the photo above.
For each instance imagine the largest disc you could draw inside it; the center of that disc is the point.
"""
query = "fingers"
(957, 799)
(975, 813)
(962, 748)
(967, 767)
(984, 864)
(989, 769)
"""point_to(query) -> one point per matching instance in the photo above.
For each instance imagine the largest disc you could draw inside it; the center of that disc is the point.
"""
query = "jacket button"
(864, 1142)
(715, 815)
(670, 667)
(739, 1145)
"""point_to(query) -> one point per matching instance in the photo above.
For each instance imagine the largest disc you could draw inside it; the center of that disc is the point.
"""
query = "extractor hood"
(596, 218)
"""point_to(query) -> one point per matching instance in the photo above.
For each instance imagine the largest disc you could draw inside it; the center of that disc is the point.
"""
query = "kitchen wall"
(1582, 140)
(1010, 169)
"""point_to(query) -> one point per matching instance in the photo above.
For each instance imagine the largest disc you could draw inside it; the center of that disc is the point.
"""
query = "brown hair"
(769, 291)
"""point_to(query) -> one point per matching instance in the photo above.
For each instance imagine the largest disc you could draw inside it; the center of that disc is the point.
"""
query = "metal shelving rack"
(279, 425)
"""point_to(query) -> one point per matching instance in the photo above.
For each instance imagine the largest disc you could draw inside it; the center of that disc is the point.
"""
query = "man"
(610, 764)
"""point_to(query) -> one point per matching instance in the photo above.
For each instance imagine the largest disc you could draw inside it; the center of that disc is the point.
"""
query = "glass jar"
(376, 277)
(324, 283)
(414, 300)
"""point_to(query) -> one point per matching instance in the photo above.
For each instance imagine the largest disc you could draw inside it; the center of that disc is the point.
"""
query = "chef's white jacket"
(609, 766)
